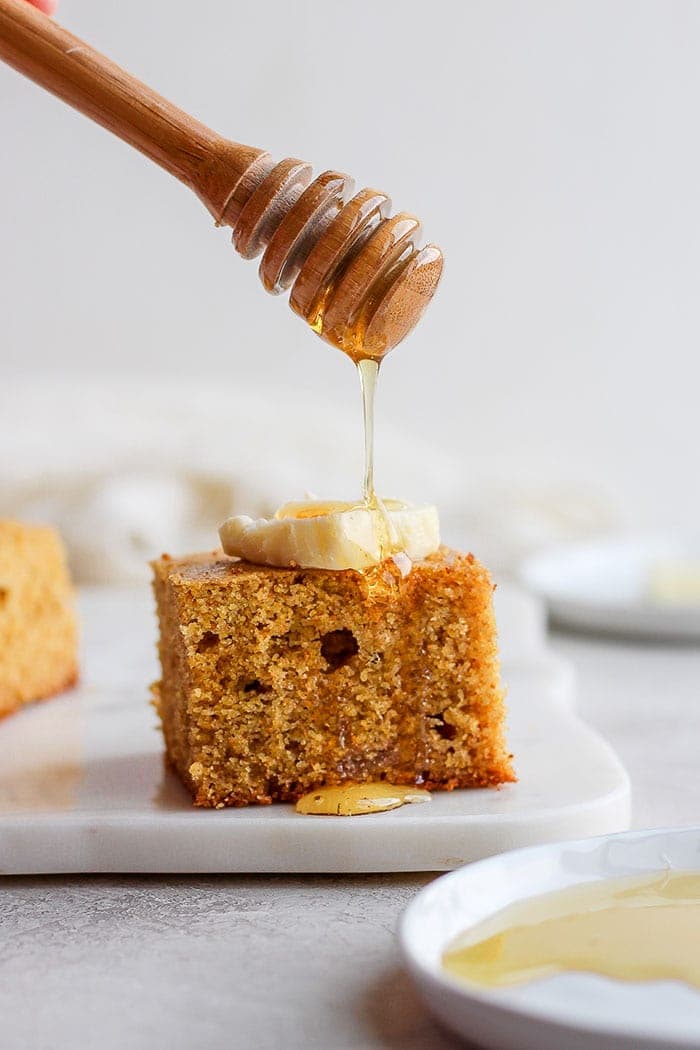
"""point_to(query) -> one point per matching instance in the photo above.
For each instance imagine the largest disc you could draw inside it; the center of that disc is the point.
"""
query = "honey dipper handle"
(210, 165)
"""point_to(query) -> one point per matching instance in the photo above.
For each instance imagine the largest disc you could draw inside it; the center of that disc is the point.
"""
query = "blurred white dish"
(631, 586)
(577, 1011)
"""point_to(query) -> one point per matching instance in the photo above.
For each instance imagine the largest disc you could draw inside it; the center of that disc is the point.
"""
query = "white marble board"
(83, 787)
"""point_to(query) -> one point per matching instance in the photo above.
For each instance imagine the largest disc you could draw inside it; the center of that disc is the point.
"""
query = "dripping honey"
(367, 355)
(350, 341)
(368, 372)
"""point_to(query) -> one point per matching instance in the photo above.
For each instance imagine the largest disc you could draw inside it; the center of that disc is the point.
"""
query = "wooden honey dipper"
(356, 274)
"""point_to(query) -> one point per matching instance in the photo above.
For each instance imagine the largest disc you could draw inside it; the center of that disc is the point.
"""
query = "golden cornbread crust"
(38, 630)
(276, 681)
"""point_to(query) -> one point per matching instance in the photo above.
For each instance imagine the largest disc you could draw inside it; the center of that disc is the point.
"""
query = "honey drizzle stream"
(368, 370)
(351, 341)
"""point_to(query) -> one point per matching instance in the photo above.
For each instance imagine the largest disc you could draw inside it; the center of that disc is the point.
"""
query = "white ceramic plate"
(570, 1011)
(614, 586)
(83, 787)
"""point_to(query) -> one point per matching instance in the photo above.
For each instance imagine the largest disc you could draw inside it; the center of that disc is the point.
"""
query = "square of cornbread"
(38, 631)
(277, 681)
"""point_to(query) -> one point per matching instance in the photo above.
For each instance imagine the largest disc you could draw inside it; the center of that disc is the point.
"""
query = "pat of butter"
(333, 535)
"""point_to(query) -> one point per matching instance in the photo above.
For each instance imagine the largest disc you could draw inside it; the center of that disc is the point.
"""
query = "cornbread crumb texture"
(38, 630)
(275, 681)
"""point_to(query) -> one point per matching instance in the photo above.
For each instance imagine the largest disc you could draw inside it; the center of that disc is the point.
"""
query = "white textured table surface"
(267, 963)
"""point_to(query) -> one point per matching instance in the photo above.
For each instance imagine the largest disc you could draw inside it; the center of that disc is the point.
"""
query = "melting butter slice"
(314, 535)
(351, 800)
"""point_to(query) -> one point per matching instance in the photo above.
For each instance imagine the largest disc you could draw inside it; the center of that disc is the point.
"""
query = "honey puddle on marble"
(351, 800)
(639, 929)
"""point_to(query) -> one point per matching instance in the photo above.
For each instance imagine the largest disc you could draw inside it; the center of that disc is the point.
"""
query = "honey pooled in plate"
(350, 800)
(631, 929)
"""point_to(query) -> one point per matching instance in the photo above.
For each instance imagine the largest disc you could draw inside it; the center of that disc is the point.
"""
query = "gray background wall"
(550, 148)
